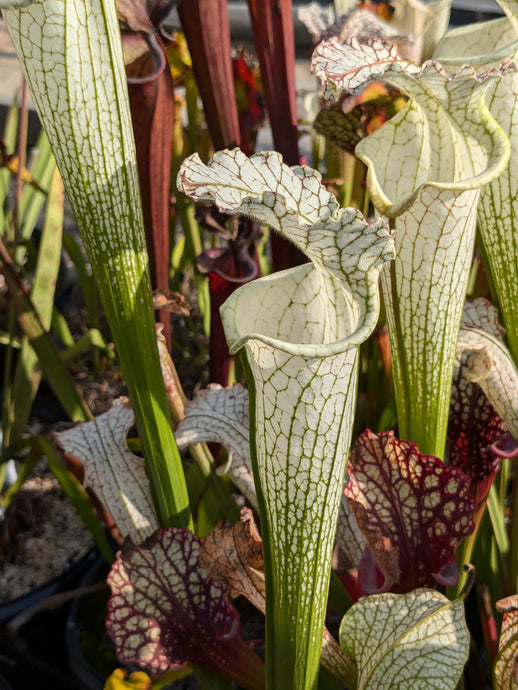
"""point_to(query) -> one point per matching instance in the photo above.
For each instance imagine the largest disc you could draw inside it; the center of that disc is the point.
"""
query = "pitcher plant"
(301, 329)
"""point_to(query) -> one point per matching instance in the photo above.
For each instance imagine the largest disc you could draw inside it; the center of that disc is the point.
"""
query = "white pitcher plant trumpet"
(72, 58)
(426, 167)
(483, 45)
(301, 329)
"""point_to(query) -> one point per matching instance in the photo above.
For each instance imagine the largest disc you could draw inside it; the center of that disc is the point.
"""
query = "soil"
(40, 536)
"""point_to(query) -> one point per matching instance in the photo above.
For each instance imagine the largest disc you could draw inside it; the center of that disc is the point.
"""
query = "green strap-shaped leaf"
(72, 58)
(417, 640)
(301, 328)
(28, 370)
(433, 197)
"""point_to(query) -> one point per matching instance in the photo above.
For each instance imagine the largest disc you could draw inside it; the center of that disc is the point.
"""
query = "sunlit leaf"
(117, 476)
(425, 21)
(417, 640)
(481, 44)
(72, 59)
(484, 44)
(412, 510)
(294, 202)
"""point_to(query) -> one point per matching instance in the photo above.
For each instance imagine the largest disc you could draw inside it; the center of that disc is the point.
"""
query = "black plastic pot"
(66, 580)
(32, 653)
(89, 652)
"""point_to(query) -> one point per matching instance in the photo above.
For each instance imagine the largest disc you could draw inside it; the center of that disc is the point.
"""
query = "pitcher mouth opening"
(353, 318)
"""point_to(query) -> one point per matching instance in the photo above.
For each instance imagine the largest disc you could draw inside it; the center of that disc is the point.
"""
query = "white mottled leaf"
(14, 4)
(71, 54)
(116, 475)
(445, 113)
(414, 641)
(485, 44)
(220, 415)
(498, 212)
(506, 663)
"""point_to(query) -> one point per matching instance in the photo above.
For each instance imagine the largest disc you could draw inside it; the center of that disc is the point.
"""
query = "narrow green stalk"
(28, 372)
(8, 384)
(194, 248)
(199, 452)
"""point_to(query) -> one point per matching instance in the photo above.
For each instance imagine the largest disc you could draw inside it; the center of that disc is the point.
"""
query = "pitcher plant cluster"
(415, 294)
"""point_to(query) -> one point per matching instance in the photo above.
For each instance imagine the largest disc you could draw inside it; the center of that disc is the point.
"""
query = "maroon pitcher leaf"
(474, 428)
(274, 36)
(477, 439)
(143, 15)
(275, 44)
(412, 510)
(207, 30)
(164, 611)
(151, 93)
(226, 268)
